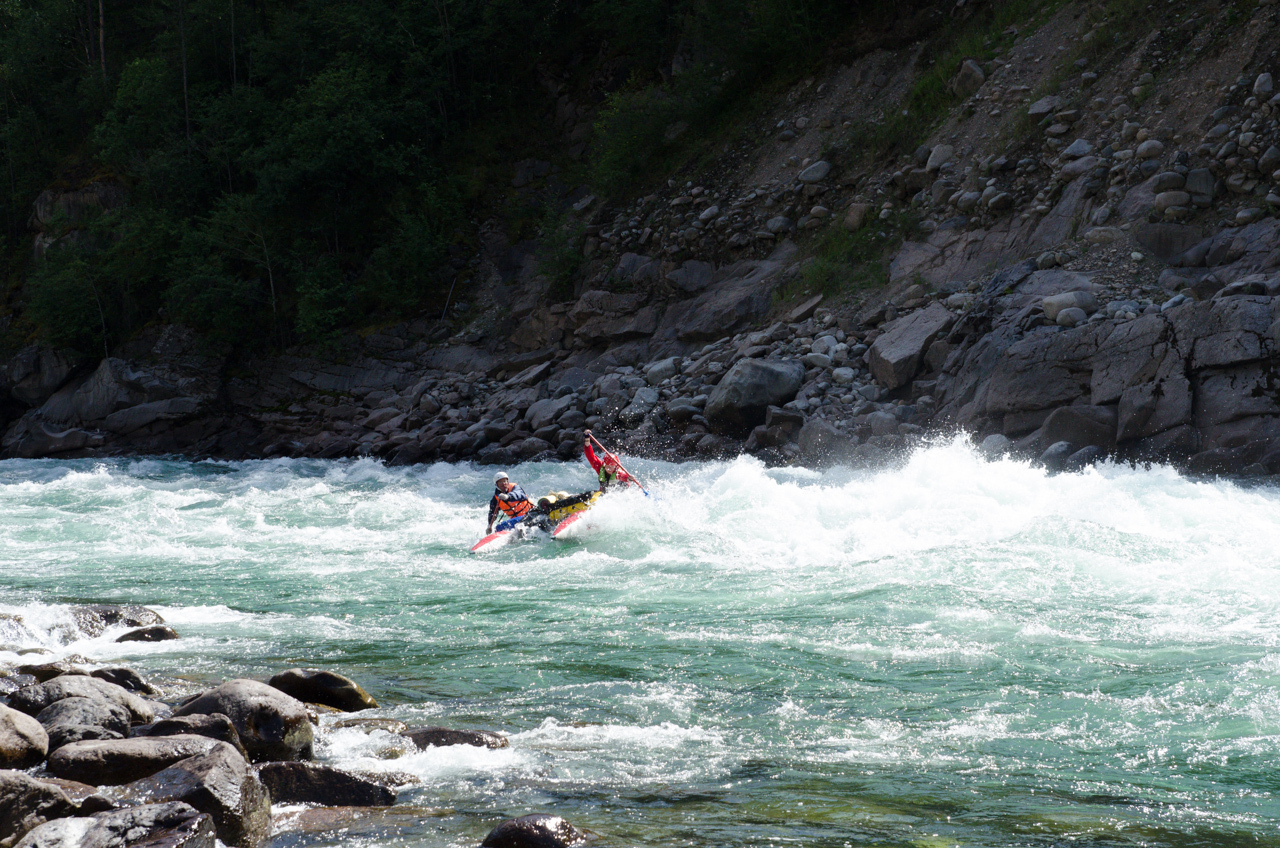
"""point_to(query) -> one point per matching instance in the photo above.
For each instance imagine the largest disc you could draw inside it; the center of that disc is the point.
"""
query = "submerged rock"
(438, 737)
(534, 831)
(311, 783)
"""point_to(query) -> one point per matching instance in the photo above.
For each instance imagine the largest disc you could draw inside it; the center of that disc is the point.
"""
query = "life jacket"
(607, 477)
(514, 508)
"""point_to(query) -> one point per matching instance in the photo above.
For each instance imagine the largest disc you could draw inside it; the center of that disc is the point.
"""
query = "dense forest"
(288, 167)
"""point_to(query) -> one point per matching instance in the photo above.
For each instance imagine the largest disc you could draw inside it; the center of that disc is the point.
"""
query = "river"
(955, 651)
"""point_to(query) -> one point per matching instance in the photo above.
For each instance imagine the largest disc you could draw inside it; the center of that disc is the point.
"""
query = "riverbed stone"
(172, 825)
(312, 783)
(213, 726)
(317, 686)
(117, 761)
(23, 740)
(152, 633)
(32, 699)
(218, 782)
(439, 737)
(534, 831)
(26, 802)
(94, 619)
(271, 724)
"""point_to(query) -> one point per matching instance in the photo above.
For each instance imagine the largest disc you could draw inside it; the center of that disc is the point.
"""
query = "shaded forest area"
(292, 167)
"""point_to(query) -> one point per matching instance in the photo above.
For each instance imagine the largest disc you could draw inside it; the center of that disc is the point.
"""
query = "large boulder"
(173, 825)
(271, 724)
(897, 352)
(820, 442)
(534, 831)
(1081, 426)
(311, 783)
(314, 686)
(112, 762)
(23, 741)
(76, 719)
(32, 699)
(743, 396)
(114, 385)
(27, 802)
(440, 737)
(214, 726)
(218, 782)
(36, 372)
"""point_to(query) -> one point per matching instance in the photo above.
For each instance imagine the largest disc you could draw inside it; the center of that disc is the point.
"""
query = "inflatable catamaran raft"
(555, 515)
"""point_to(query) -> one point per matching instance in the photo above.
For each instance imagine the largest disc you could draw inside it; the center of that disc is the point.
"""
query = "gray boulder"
(116, 761)
(23, 741)
(78, 719)
(534, 831)
(214, 726)
(1055, 456)
(27, 802)
(125, 678)
(441, 737)
(218, 782)
(154, 633)
(36, 372)
(32, 699)
(316, 686)
(897, 352)
(271, 724)
(820, 442)
(173, 825)
(311, 783)
(743, 396)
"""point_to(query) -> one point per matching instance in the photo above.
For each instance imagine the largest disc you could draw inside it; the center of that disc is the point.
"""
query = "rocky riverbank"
(94, 755)
(1089, 270)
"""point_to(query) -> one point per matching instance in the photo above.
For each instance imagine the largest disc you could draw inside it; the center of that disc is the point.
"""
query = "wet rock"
(271, 724)
(897, 352)
(1055, 456)
(118, 761)
(315, 686)
(214, 726)
(995, 446)
(820, 442)
(1084, 458)
(439, 737)
(218, 782)
(77, 719)
(47, 671)
(32, 699)
(742, 397)
(534, 831)
(172, 825)
(310, 783)
(1082, 426)
(94, 619)
(23, 740)
(125, 678)
(27, 802)
(154, 633)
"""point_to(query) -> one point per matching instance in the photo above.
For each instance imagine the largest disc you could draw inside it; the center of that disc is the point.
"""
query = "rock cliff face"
(1091, 269)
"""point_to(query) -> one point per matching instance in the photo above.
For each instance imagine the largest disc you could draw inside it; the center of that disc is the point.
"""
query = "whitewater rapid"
(951, 651)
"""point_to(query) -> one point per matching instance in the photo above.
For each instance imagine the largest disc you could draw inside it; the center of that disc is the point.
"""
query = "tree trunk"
(233, 43)
(102, 40)
(186, 100)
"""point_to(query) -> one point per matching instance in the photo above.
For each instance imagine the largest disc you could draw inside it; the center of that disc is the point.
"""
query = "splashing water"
(953, 652)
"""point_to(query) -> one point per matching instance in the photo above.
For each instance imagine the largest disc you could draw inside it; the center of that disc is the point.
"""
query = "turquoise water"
(955, 652)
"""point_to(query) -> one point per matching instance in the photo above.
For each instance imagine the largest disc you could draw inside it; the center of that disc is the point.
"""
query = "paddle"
(619, 462)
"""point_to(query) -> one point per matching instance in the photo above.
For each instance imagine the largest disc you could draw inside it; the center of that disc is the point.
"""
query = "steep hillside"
(1052, 225)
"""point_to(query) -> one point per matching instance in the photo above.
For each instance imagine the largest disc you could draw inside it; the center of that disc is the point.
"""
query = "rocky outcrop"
(271, 724)
(316, 686)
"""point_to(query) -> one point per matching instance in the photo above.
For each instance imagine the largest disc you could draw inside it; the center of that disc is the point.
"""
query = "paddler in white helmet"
(507, 498)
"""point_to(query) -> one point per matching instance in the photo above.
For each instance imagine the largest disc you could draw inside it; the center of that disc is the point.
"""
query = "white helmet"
(500, 476)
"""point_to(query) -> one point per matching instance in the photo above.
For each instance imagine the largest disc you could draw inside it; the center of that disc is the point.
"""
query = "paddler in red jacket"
(607, 469)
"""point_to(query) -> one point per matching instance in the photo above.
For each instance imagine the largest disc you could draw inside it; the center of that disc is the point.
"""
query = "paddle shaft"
(620, 465)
